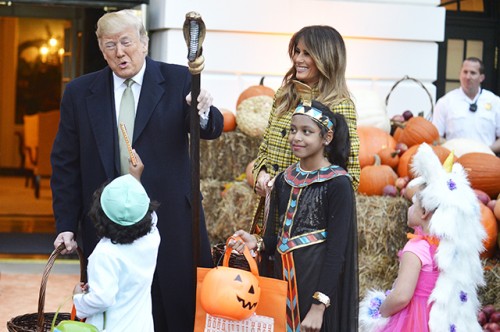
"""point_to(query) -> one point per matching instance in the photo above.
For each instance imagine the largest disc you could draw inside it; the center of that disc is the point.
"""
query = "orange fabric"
(431, 239)
(272, 301)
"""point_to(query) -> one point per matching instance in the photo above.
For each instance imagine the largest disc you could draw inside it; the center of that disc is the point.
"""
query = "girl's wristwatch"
(322, 298)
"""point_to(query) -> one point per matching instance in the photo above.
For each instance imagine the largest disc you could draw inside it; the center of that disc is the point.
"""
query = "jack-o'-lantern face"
(230, 293)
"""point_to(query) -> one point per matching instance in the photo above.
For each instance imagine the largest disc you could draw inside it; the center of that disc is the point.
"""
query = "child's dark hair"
(105, 227)
(339, 148)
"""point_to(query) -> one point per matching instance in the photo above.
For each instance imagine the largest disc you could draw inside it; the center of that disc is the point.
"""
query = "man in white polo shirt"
(470, 111)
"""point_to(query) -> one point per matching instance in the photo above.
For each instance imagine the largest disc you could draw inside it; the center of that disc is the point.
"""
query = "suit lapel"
(151, 93)
(101, 111)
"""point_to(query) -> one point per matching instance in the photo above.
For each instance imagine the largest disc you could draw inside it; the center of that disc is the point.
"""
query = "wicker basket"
(40, 321)
(407, 78)
(235, 260)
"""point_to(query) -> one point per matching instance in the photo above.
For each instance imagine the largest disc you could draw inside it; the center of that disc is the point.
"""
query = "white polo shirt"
(453, 119)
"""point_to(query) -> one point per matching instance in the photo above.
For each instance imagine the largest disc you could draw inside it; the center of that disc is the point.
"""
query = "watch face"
(322, 298)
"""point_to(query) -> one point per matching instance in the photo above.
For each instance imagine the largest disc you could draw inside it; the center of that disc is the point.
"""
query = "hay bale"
(232, 209)
(227, 157)
(381, 226)
(490, 294)
(211, 190)
(381, 234)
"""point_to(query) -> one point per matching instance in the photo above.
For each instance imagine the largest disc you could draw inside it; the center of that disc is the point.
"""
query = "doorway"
(39, 53)
(472, 29)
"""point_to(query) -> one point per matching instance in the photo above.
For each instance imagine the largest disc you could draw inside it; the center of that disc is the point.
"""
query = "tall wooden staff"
(194, 34)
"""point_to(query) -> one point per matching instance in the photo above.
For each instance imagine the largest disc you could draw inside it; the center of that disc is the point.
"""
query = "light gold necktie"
(127, 117)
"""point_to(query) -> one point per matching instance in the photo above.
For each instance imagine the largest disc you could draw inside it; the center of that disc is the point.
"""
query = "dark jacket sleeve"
(66, 177)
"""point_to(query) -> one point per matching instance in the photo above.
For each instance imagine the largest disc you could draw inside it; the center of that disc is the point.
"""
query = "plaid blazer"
(275, 154)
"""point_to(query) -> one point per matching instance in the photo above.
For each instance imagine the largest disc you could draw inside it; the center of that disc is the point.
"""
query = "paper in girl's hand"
(129, 145)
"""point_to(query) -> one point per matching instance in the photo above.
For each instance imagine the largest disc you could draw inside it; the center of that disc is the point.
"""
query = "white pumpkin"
(461, 146)
(252, 115)
(371, 109)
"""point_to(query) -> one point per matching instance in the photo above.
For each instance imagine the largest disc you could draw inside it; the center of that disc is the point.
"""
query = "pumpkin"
(374, 178)
(231, 293)
(404, 166)
(253, 109)
(461, 146)
(371, 141)
(371, 110)
(418, 130)
(483, 172)
(229, 120)
(255, 91)
(389, 157)
(489, 223)
(397, 134)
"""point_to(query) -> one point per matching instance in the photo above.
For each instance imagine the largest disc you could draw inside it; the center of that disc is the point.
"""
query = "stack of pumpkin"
(386, 158)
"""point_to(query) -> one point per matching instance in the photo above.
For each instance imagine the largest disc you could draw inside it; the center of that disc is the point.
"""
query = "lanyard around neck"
(473, 106)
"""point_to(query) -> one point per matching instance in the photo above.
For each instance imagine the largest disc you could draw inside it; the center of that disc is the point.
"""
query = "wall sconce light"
(50, 52)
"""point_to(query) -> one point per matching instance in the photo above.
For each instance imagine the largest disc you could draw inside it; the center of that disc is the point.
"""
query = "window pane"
(449, 4)
(465, 5)
(474, 48)
(454, 58)
(472, 6)
(451, 86)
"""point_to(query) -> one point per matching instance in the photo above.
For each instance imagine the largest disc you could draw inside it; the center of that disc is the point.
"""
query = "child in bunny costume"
(448, 216)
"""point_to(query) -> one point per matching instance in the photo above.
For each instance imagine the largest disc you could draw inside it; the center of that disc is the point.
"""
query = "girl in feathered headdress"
(440, 269)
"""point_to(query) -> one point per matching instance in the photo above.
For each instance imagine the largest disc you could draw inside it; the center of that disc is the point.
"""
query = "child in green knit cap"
(121, 267)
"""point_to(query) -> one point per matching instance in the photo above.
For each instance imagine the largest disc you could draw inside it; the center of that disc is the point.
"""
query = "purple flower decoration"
(463, 296)
(374, 309)
(453, 328)
(451, 184)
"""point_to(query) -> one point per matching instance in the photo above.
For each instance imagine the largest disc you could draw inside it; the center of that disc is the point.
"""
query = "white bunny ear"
(425, 163)
(456, 222)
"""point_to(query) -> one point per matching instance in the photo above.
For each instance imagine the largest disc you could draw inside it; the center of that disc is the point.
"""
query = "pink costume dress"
(415, 316)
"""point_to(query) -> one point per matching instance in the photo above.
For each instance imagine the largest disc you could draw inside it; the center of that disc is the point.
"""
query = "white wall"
(385, 39)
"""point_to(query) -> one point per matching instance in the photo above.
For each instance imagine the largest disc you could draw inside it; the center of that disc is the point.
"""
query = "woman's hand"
(261, 185)
(247, 239)
(314, 318)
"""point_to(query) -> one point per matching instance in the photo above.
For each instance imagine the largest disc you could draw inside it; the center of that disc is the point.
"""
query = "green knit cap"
(125, 201)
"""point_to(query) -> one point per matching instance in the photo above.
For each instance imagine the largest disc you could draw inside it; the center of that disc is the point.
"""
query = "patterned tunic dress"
(316, 249)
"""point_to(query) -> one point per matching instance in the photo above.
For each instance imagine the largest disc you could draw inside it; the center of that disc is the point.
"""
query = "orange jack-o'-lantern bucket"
(231, 293)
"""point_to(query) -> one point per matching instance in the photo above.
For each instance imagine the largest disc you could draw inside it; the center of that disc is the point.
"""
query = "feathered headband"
(313, 110)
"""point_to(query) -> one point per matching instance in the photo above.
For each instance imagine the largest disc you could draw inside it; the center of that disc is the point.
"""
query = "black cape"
(326, 202)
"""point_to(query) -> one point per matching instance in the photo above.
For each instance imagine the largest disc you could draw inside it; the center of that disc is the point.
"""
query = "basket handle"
(45, 276)
(246, 252)
(262, 209)
(406, 78)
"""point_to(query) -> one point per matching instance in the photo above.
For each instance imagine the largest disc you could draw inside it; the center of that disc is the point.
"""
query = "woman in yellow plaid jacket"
(318, 58)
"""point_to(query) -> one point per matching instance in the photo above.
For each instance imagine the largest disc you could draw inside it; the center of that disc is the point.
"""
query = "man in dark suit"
(86, 154)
